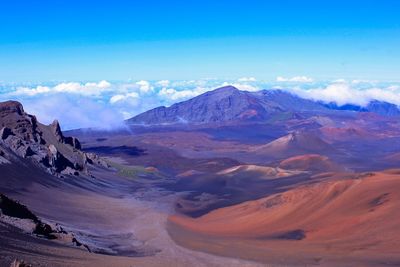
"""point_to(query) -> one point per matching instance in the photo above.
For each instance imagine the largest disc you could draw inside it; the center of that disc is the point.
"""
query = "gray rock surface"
(23, 136)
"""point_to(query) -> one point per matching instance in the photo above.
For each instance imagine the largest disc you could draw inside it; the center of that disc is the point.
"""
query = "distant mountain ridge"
(375, 106)
(223, 104)
(228, 103)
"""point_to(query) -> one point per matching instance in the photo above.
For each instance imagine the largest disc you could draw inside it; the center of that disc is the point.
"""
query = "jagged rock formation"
(22, 135)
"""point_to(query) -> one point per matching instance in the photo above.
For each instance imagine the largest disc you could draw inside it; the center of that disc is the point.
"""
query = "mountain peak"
(227, 104)
(227, 89)
(224, 104)
(224, 91)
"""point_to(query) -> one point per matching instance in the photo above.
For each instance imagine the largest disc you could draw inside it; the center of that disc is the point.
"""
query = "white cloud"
(300, 79)
(247, 79)
(340, 93)
(83, 89)
(88, 89)
(118, 98)
(344, 93)
(394, 88)
(31, 91)
(173, 94)
(163, 83)
(74, 112)
(102, 104)
(144, 86)
(383, 95)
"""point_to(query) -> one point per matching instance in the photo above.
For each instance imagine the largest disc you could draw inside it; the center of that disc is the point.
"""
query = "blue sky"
(95, 63)
(43, 41)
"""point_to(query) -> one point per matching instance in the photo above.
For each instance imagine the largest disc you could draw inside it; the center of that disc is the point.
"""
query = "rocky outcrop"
(92, 158)
(21, 134)
(13, 212)
(15, 121)
(72, 141)
(56, 130)
(59, 163)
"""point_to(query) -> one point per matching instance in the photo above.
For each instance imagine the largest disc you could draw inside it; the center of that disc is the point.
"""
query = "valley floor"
(124, 221)
(181, 197)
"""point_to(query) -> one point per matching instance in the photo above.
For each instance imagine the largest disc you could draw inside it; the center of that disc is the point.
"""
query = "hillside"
(294, 143)
(351, 219)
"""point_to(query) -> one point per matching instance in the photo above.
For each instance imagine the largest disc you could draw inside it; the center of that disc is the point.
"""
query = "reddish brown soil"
(309, 162)
(349, 221)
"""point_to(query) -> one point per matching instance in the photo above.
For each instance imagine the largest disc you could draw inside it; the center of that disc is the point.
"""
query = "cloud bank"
(345, 93)
(105, 104)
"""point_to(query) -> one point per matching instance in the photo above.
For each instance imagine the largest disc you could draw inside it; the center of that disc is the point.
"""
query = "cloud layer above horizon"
(105, 104)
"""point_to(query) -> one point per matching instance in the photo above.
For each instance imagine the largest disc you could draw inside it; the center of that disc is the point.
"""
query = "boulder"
(57, 161)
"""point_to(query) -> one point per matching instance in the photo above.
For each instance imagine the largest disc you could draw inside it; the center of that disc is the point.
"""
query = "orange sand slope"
(341, 219)
(310, 162)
